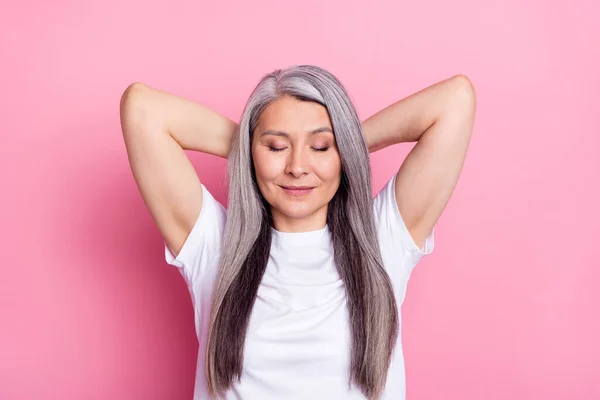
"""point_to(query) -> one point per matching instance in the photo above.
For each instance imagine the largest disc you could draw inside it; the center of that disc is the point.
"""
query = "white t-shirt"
(298, 338)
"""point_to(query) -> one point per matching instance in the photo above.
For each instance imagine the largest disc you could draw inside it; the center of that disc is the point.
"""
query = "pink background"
(507, 306)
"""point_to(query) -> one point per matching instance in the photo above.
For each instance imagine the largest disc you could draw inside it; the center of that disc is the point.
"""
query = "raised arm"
(440, 117)
(157, 126)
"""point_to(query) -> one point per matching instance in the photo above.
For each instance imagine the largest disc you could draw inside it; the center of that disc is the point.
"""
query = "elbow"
(131, 94)
(464, 87)
(131, 108)
(463, 93)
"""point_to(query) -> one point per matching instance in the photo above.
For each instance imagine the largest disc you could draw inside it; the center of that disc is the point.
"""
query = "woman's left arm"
(440, 117)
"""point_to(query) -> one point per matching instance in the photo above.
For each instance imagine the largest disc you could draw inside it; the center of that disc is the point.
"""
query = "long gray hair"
(373, 315)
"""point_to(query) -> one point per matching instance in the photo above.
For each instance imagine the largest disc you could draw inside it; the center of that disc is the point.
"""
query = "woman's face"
(297, 163)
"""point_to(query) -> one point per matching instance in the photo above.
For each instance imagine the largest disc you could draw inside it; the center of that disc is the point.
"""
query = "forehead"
(292, 115)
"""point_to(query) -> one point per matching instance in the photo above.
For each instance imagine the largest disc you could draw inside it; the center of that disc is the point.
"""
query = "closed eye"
(275, 149)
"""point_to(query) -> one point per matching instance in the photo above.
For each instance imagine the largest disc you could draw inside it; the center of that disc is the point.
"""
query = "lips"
(297, 187)
(297, 190)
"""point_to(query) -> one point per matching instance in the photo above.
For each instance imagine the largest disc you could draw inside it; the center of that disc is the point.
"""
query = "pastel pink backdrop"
(505, 307)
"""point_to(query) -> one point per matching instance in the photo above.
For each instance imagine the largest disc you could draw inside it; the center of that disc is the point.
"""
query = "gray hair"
(373, 314)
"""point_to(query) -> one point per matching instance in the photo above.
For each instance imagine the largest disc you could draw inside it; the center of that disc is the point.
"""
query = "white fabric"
(297, 344)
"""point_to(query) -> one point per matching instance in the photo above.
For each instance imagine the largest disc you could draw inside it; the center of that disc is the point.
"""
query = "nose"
(297, 163)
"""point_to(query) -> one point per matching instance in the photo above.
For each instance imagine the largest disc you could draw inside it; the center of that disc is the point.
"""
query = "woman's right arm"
(157, 126)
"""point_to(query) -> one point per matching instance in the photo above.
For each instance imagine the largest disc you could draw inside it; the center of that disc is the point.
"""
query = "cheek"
(266, 168)
(329, 169)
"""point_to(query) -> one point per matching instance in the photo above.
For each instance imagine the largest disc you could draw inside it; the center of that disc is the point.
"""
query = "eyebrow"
(272, 132)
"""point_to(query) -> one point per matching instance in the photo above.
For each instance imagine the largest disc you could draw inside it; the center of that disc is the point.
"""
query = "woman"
(297, 286)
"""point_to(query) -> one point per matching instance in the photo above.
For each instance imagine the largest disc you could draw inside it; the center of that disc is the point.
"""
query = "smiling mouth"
(297, 190)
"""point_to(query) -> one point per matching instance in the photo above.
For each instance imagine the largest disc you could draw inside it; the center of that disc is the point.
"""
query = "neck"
(313, 222)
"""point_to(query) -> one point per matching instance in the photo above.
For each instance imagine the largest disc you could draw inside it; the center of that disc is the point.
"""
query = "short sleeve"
(201, 250)
(395, 241)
